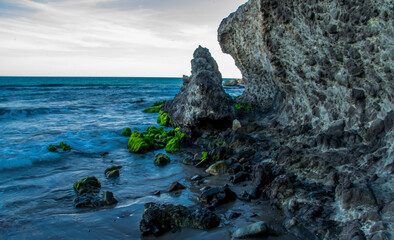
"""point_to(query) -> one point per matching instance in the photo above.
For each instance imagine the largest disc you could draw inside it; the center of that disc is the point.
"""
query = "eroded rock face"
(323, 71)
(201, 105)
(315, 62)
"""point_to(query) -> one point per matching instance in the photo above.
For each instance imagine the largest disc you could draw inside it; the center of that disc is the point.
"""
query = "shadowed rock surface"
(160, 218)
(201, 105)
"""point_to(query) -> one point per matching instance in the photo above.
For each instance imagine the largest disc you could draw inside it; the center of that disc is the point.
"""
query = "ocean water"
(89, 114)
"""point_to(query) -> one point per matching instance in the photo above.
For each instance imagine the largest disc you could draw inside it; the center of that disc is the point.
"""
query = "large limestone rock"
(316, 62)
(201, 105)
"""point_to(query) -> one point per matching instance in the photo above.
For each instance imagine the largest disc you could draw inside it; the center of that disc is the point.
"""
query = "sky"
(127, 38)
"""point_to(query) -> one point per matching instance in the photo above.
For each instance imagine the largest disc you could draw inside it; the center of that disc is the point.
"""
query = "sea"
(89, 114)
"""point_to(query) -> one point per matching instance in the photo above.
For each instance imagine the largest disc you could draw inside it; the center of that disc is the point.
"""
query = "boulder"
(351, 196)
(217, 168)
(202, 104)
(236, 125)
(87, 185)
(160, 218)
(218, 195)
(175, 186)
(257, 229)
(161, 159)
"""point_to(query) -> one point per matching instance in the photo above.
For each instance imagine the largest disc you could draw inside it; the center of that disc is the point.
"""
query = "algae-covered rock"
(160, 218)
(155, 108)
(126, 132)
(173, 145)
(65, 147)
(52, 148)
(257, 229)
(137, 144)
(163, 119)
(217, 168)
(87, 185)
(112, 172)
(161, 159)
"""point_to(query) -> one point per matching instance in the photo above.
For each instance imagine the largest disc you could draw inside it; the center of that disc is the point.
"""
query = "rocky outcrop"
(321, 72)
(201, 105)
(316, 62)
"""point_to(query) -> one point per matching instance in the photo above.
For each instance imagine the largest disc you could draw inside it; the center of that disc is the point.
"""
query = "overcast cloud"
(109, 37)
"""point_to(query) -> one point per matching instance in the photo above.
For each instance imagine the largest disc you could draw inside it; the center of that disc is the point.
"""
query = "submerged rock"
(160, 218)
(257, 229)
(112, 172)
(161, 159)
(88, 190)
(202, 104)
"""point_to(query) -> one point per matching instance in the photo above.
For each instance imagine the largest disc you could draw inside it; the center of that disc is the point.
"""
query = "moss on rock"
(138, 144)
(87, 185)
(126, 132)
(161, 159)
(52, 148)
(173, 145)
(163, 119)
(65, 147)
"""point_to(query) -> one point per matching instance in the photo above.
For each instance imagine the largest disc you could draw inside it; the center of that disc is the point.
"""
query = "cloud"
(109, 37)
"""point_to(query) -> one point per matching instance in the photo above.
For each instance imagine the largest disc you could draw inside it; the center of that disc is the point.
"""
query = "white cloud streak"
(111, 37)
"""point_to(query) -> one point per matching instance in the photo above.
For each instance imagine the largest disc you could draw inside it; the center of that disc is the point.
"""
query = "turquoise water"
(89, 114)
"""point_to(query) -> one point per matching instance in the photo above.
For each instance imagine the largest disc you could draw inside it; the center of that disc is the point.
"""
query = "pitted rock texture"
(201, 105)
(322, 72)
(315, 62)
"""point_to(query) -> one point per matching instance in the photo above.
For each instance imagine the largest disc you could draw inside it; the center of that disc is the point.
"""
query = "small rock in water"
(257, 229)
(112, 172)
(87, 185)
(109, 198)
(175, 186)
(161, 159)
(104, 154)
(157, 193)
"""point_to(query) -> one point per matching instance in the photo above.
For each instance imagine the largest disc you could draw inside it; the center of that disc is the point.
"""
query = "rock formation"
(322, 72)
(201, 104)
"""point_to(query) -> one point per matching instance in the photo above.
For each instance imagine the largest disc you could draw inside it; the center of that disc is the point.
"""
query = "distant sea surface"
(89, 114)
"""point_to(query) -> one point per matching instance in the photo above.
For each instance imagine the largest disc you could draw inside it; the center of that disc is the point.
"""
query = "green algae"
(243, 107)
(173, 145)
(65, 147)
(126, 132)
(155, 108)
(52, 148)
